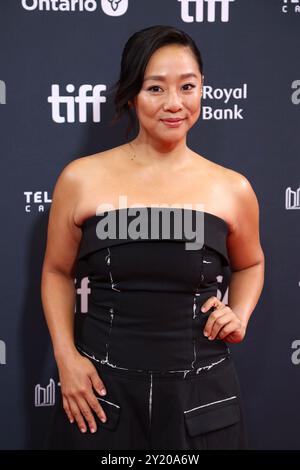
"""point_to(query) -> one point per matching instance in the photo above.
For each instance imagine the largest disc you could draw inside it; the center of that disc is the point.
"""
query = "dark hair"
(135, 57)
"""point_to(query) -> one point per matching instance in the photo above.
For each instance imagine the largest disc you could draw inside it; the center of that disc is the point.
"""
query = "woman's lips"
(172, 122)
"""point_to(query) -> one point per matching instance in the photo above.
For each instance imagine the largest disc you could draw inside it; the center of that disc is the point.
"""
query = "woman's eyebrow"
(163, 78)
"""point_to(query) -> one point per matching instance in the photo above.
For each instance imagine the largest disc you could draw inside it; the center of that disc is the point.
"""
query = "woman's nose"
(172, 101)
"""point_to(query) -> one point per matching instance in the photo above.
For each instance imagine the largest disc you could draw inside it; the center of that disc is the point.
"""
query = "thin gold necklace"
(134, 155)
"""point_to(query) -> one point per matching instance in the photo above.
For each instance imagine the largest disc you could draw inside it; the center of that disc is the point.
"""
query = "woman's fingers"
(76, 412)
(211, 302)
(95, 405)
(68, 410)
(87, 413)
(80, 408)
(216, 321)
(78, 385)
(92, 400)
(97, 383)
(226, 330)
(221, 322)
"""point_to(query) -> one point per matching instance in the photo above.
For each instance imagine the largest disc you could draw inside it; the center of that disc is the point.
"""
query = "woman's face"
(166, 94)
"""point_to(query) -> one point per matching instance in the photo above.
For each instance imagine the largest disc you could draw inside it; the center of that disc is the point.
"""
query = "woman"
(155, 335)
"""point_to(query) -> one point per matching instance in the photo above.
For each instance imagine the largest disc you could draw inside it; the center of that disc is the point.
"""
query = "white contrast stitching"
(209, 404)
(106, 401)
(185, 372)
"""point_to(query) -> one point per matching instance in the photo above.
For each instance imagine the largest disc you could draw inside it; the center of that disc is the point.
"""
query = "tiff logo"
(83, 291)
(2, 92)
(205, 10)
(292, 198)
(2, 352)
(45, 396)
(68, 112)
(294, 4)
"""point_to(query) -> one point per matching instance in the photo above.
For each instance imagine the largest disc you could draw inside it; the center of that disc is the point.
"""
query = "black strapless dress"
(168, 386)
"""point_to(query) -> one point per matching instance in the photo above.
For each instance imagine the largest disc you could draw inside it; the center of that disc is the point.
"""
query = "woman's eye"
(154, 86)
(190, 84)
(186, 85)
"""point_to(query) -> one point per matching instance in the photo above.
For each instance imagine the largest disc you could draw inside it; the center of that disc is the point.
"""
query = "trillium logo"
(114, 7)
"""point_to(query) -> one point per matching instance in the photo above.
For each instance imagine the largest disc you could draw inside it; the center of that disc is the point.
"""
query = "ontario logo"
(109, 7)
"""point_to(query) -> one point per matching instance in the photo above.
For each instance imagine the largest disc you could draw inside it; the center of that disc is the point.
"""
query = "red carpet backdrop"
(59, 61)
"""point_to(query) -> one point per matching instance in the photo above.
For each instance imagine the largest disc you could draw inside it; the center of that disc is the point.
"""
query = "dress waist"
(148, 330)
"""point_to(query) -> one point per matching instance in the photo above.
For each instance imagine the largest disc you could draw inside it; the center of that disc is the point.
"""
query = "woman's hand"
(222, 323)
(78, 376)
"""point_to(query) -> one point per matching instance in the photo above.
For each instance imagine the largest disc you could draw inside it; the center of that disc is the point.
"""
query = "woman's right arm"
(77, 374)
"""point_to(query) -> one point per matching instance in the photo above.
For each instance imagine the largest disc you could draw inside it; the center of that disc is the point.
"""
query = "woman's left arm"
(246, 255)
(247, 262)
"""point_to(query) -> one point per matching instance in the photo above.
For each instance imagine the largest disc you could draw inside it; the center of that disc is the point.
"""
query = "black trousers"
(160, 411)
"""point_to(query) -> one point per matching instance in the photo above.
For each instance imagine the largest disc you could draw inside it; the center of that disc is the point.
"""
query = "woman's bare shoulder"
(236, 184)
(238, 181)
(226, 174)
(89, 161)
(100, 161)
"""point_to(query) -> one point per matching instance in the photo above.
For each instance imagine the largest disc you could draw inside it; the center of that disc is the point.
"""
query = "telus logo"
(36, 199)
(64, 106)
(291, 5)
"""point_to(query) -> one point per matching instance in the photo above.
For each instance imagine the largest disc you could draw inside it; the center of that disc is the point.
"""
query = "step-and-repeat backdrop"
(58, 60)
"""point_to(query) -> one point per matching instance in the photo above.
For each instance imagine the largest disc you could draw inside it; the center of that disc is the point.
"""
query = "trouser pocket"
(213, 410)
(216, 424)
(112, 412)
